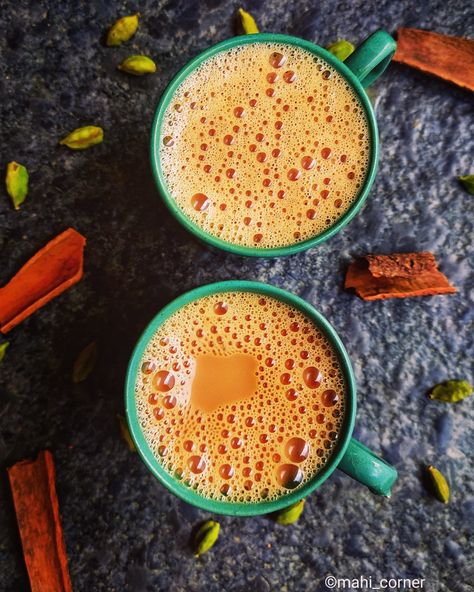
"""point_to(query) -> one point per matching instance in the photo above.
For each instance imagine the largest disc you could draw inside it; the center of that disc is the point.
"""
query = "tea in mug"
(264, 145)
(241, 397)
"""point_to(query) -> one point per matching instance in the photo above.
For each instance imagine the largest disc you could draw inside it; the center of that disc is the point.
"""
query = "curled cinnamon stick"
(37, 511)
(450, 58)
(400, 275)
(54, 268)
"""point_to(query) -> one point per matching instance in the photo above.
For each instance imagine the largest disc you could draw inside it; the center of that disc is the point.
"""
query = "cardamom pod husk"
(468, 183)
(342, 49)
(16, 181)
(451, 391)
(248, 23)
(3, 349)
(290, 514)
(439, 484)
(126, 433)
(122, 30)
(206, 537)
(84, 363)
(83, 137)
(138, 65)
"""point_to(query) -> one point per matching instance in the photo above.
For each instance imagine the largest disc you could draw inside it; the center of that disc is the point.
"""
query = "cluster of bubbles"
(260, 446)
(264, 145)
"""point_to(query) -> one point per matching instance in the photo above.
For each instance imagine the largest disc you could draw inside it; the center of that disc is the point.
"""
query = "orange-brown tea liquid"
(241, 397)
(264, 145)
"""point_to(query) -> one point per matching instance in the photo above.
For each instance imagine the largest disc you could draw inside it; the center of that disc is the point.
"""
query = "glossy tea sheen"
(265, 145)
(240, 396)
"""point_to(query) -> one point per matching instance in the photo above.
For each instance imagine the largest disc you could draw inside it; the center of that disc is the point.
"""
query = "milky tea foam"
(241, 397)
(264, 145)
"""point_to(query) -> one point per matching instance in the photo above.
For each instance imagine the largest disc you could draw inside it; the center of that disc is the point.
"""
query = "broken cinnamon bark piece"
(400, 275)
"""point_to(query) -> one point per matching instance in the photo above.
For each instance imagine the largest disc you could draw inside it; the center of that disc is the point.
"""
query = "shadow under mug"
(360, 70)
(349, 455)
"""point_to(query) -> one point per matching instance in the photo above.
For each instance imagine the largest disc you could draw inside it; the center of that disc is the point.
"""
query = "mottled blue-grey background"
(123, 531)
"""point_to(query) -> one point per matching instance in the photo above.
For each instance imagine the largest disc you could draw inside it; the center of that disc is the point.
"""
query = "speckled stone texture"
(125, 532)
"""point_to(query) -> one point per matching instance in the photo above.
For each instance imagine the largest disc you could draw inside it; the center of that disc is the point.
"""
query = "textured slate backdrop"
(123, 531)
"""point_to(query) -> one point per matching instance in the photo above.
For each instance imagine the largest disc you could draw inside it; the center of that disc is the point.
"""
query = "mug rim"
(234, 248)
(189, 495)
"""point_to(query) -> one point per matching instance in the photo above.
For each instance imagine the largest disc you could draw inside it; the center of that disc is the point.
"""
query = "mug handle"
(363, 465)
(372, 57)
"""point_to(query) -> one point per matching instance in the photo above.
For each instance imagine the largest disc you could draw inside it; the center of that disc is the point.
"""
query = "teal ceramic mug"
(360, 70)
(349, 455)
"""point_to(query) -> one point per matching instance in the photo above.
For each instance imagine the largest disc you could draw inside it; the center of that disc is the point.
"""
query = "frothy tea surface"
(264, 145)
(240, 396)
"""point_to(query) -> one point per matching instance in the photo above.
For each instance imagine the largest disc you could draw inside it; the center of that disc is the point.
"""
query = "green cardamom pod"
(451, 391)
(16, 181)
(122, 30)
(138, 65)
(206, 537)
(84, 363)
(468, 182)
(126, 433)
(342, 49)
(439, 484)
(83, 137)
(248, 23)
(290, 514)
(3, 349)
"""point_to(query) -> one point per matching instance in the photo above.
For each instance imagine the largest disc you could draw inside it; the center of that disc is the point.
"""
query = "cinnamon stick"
(400, 275)
(56, 267)
(37, 510)
(450, 58)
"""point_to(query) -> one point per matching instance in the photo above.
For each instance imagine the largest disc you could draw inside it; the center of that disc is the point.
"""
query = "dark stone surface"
(123, 531)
